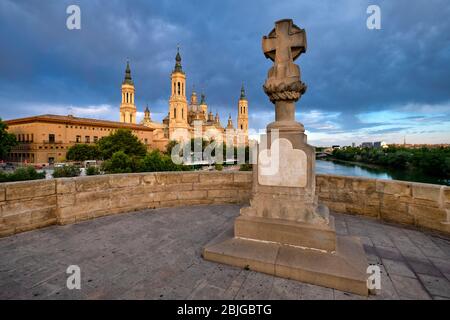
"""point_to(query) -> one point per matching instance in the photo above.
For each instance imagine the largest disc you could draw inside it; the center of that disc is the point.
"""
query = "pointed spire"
(230, 122)
(128, 79)
(203, 100)
(242, 92)
(178, 67)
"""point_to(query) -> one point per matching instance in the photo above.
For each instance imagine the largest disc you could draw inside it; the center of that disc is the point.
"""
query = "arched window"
(178, 88)
(175, 112)
(242, 127)
(131, 118)
(174, 87)
(182, 113)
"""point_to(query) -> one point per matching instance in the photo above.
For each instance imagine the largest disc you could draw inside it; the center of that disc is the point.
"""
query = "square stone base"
(343, 270)
(318, 236)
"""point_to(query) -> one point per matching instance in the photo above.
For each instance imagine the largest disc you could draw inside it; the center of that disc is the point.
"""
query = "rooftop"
(156, 254)
(69, 119)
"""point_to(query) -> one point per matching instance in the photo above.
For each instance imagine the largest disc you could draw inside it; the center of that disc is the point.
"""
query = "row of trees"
(122, 152)
(7, 140)
(431, 161)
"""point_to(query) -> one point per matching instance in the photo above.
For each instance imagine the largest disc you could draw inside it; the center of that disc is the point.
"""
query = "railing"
(52, 142)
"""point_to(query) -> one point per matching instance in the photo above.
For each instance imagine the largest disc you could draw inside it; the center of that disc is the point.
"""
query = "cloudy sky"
(363, 85)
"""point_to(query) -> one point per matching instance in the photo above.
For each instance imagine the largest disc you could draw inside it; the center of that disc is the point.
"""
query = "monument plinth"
(284, 231)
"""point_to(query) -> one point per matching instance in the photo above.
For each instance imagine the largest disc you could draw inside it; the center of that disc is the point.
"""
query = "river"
(351, 169)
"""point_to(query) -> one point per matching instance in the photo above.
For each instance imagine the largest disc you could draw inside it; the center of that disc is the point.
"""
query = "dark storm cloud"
(349, 69)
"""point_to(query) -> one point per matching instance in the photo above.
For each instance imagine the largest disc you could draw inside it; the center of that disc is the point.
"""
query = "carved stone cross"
(283, 45)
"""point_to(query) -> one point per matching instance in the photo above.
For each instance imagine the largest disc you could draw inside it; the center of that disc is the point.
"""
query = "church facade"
(186, 119)
(45, 139)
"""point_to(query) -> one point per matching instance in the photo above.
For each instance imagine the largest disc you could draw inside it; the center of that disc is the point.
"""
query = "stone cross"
(283, 45)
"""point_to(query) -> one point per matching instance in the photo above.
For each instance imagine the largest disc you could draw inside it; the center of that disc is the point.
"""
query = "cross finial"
(285, 42)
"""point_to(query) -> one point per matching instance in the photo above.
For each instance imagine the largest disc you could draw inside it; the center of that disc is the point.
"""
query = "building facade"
(46, 138)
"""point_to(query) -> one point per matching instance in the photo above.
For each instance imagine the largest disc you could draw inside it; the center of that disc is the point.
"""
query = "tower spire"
(242, 92)
(127, 79)
(178, 67)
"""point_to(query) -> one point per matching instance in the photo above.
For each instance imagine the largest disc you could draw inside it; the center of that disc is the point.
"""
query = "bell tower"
(242, 119)
(128, 107)
(178, 106)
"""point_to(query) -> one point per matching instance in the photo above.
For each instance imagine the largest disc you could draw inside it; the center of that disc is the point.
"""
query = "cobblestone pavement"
(155, 254)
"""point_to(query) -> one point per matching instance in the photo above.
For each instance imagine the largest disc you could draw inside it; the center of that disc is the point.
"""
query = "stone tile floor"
(155, 254)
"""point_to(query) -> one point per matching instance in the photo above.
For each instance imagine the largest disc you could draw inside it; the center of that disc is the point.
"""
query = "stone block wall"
(425, 206)
(33, 204)
(27, 205)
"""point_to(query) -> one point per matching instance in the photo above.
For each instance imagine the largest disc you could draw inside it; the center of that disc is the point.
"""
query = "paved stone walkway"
(155, 254)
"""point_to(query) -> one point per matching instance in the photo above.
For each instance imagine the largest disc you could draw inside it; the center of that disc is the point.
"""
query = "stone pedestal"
(285, 232)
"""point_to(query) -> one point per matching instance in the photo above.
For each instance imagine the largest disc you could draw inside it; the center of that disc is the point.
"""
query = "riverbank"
(357, 169)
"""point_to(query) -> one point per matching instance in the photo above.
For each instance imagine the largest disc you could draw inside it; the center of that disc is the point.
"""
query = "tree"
(22, 174)
(170, 146)
(83, 152)
(121, 140)
(7, 140)
(66, 171)
(155, 161)
(120, 162)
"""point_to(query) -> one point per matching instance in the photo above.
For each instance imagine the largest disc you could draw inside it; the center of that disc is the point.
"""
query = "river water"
(347, 169)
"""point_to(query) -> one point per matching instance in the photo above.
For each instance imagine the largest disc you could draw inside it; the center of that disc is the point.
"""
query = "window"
(175, 112)
(78, 139)
(131, 118)
(145, 140)
(242, 127)
(28, 137)
(95, 138)
(87, 139)
(32, 137)
(178, 88)
(182, 113)
(51, 138)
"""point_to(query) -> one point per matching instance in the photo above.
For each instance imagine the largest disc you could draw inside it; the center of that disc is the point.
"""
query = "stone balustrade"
(34, 204)
(422, 205)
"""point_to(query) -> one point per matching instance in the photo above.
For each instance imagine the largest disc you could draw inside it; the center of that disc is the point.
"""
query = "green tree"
(66, 171)
(83, 152)
(22, 174)
(121, 140)
(120, 162)
(157, 162)
(7, 140)
(170, 146)
(92, 171)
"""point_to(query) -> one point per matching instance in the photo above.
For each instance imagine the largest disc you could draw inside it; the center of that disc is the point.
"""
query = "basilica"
(45, 139)
(185, 119)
